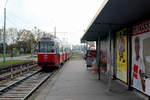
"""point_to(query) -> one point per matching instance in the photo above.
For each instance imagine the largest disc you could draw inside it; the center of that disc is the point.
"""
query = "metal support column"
(114, 57)
(109, 60)
(129, 36)
(98, 58)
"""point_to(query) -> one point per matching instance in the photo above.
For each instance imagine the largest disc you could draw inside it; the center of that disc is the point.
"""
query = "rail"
(23, 88)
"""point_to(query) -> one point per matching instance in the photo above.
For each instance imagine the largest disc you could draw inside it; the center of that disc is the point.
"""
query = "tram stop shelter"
(112, 16)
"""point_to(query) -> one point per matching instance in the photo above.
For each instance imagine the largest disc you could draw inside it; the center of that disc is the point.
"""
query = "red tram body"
(52, 53)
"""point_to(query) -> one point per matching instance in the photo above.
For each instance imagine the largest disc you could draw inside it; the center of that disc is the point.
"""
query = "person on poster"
(121, 49)
(138, 68)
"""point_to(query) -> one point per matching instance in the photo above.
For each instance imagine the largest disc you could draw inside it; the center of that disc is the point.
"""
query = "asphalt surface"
(75, 82)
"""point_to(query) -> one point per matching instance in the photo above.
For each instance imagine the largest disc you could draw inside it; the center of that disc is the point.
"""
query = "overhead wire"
(18, 21)
(11, 23)
(15, 16)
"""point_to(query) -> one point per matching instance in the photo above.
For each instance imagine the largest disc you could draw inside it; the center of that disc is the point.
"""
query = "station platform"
(76, 82)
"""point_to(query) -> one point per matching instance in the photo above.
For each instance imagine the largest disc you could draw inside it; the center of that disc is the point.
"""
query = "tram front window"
(46, 47)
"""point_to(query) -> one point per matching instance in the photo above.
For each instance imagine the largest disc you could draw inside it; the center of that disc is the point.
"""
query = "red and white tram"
(52, 53)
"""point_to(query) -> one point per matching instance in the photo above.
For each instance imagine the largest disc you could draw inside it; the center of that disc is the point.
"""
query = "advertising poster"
(91, 60)
(141, 57)
(103, 56)
(122, 55)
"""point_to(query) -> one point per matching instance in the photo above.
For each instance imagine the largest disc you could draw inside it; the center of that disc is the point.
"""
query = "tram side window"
(57, 50)
(61, 50)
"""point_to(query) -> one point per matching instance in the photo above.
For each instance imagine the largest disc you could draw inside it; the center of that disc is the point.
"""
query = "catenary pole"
(4, 37)
(55, 31)
(4, 34)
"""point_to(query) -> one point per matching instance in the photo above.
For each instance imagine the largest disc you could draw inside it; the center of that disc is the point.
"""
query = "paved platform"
(77, 83)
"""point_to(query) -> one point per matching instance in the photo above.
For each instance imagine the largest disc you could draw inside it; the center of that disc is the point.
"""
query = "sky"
(70, 17)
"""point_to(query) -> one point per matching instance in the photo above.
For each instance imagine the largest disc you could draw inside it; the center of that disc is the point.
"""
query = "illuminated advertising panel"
(141, 57)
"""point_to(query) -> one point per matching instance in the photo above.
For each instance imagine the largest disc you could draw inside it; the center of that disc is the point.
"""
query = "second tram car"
(52, 53)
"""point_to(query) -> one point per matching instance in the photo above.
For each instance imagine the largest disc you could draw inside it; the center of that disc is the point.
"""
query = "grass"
(13, 62)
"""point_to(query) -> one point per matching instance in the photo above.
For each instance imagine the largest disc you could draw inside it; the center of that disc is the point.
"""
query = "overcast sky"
(71, 16)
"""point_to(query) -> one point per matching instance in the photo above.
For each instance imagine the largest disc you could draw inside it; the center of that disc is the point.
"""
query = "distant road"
(19, 58)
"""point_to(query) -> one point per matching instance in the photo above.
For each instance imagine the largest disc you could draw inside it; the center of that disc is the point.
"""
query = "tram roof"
(116, 14)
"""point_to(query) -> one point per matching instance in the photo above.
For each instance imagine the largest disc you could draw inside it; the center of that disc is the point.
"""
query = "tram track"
(23, 88)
